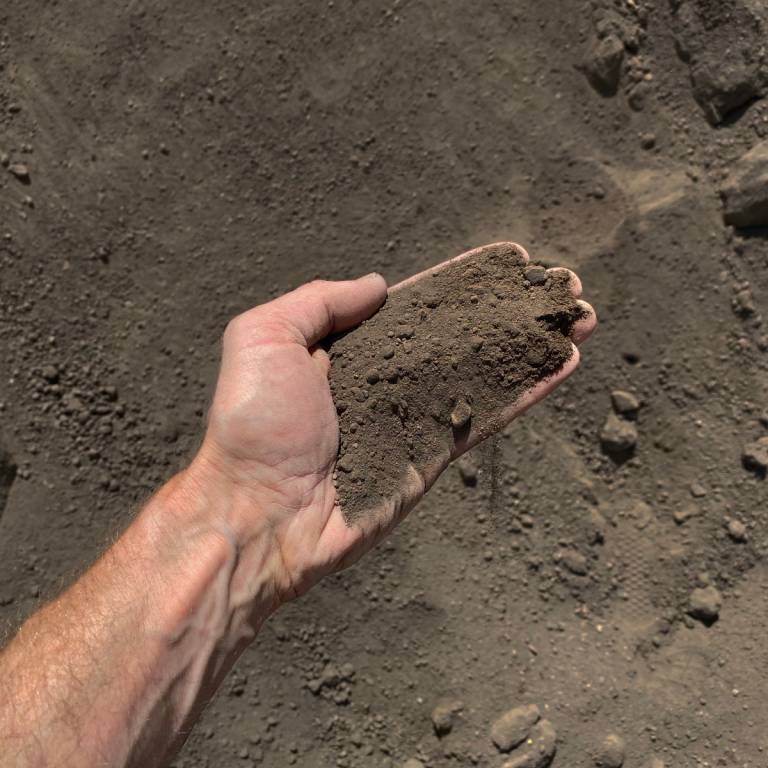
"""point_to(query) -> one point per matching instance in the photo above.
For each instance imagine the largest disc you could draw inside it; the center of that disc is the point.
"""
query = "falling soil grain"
(432, 371)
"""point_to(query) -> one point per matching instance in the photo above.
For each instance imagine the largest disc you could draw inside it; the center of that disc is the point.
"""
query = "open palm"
(273, 433)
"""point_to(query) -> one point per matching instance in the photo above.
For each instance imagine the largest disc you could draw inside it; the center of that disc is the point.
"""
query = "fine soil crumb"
(438, 362)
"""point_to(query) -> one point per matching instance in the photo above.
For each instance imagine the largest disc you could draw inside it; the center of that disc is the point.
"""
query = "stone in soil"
(754, 456)
(745, 190)
(611, 753)
(737, 531)
(20, 171)
(538, 750)
(625, 404)
(704, 604)
(513, 727)
(468, 470)
(444, 716)
(602, 64)
(723, 44)
(618, 437)
(451, 351)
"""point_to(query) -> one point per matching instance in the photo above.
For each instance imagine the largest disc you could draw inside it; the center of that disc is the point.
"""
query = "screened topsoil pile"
(603, 564)
(439, 361)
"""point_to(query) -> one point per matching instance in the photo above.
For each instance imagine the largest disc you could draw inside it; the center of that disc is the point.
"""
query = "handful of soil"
(443, 356)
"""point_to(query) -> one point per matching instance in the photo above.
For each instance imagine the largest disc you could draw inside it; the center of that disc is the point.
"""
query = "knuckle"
(234, 327)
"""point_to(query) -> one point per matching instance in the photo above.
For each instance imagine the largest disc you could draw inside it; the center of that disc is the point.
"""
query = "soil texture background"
(597, 574)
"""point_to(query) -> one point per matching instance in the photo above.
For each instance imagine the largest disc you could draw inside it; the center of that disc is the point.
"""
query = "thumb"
(322, 307)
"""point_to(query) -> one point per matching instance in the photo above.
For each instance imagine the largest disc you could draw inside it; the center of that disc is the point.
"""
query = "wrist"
(195, 523)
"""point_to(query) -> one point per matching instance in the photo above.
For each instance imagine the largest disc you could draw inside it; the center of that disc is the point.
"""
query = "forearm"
(115, 671)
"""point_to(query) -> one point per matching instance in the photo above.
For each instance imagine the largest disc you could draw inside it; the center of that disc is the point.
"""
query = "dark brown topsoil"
(187, 161)
(442, 357)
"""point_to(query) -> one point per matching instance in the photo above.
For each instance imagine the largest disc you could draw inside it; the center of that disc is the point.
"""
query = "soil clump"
(438, 363)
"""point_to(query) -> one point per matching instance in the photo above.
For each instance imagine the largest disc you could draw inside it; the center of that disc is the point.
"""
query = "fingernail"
(371, 275)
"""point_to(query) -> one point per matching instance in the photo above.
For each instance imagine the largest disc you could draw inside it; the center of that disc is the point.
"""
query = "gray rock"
(413, 763)
(513, 727)
(618, 437)
(745, 190)
(611, 752)
(653, 762)
(704, 604)
(7, 474)
(539, 748)
(723, 43)
(755, 455)
(602, 64)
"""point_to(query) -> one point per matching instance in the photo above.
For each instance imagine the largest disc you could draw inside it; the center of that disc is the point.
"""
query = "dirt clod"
(737, 531)
(611, 753)
(538, 749)
(625, 404)
(513, 727)
(755, 456)
(704, 604)
(444, 716)
(441, 381)
(618, 437)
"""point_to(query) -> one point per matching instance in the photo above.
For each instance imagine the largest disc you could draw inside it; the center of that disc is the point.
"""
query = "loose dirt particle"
(441, 382)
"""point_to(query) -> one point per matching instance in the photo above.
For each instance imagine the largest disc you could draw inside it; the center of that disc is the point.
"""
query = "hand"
(273, 434)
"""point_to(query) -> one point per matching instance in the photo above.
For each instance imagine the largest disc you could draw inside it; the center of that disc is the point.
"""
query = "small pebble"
(625, 403)
(461, 414)
(467, 471)
(737, 531)
(755, 456)
(538, 750)
(20, 171)
(611, 752)
(536, 275)
(704, 604)
(444, 716)
(618, 437)
(698, 491)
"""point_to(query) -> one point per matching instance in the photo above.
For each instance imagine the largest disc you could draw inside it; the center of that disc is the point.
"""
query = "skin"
(116, 670)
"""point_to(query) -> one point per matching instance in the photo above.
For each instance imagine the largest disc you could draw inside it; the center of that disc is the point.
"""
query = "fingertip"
(378, 281)
(585, 326)
(574, 281)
